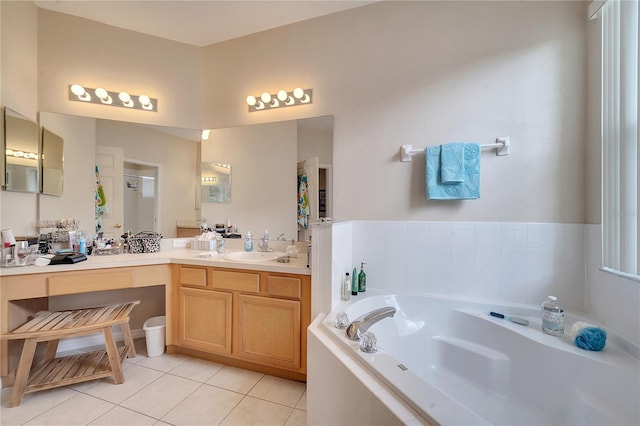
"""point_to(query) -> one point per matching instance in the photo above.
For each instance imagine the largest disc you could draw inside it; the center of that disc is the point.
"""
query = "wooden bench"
(54, 372)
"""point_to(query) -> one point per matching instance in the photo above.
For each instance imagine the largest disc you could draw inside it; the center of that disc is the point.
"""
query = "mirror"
(21, 152)
(52, 149)
(172, 153)
(267, 160)
(215, 183)
(261, 199)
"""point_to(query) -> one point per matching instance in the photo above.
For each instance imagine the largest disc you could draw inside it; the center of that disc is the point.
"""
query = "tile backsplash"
(518, 263)
(507, 262)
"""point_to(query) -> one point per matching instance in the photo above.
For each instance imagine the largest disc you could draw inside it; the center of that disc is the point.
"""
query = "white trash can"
(154, 333)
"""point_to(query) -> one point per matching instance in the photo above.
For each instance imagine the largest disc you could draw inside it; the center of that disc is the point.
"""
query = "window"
(620, 154)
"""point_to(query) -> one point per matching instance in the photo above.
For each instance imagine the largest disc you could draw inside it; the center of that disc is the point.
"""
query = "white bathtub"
(454, 364)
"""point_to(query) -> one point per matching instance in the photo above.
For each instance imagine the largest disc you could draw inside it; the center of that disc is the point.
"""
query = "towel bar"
(501, 146)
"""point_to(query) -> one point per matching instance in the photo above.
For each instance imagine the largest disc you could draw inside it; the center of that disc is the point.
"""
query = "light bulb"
(298, 93)
(282, 95)
(266, 97)
(101, 93)
(145, 102)
(125, 98)
(80, 92)
(251, 100)
(205, 134)
(77, 90)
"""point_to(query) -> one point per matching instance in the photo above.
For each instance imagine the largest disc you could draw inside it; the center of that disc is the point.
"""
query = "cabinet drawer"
(91, 281)
(283, 287)
(193, 276)
(247, 282)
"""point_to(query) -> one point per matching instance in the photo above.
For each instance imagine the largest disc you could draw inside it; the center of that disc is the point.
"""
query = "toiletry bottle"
(362, 279)
(346, 287)
(82, 245)
(354, 283)
(552, 317)
(292, 250)
(248, 242)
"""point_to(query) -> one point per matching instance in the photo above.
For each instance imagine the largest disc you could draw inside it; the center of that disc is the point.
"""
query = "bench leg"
(22, 373)
(114, 359)
(128, 340)
(52, 348)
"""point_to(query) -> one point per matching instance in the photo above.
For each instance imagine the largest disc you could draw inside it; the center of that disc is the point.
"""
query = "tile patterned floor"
(166, 390)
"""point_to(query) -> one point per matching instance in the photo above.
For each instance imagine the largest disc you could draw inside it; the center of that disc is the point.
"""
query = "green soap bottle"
(362, 279)
(354, 283)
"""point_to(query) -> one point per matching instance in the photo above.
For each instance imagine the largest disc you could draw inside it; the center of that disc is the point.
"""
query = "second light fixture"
(281, 99)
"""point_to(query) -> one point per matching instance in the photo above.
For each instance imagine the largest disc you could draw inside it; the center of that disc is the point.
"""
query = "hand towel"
(303, 202)
(101, 202)
(467, 190)
(452, 163)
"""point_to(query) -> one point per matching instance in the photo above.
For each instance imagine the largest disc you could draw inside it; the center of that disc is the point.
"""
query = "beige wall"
(75, 50)
(425, 73)
(19, 91)
(391, 73)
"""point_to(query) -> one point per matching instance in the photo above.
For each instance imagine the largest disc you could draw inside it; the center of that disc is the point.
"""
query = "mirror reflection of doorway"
(140, 197)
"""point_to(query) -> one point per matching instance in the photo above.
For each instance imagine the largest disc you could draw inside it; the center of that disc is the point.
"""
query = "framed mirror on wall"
(21, 149)
(52, 162)
(215, 183)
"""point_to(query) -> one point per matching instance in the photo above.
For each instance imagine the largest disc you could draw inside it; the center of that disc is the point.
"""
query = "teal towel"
(452, 163)
(467, 190)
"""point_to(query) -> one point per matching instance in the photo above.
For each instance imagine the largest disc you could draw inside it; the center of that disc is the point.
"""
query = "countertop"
(185, 256)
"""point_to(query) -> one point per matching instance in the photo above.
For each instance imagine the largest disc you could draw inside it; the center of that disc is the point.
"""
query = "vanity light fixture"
(281, 99)
(21, 154)
(209, 178)
(105, 97)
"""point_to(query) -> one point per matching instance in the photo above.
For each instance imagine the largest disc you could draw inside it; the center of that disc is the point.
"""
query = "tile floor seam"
(231, 411)
(225, 389)
(272, 402)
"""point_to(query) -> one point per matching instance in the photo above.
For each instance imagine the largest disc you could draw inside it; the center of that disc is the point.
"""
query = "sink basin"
(252, 256)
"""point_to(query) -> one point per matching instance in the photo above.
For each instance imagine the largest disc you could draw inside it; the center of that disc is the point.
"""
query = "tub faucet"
(362, 324)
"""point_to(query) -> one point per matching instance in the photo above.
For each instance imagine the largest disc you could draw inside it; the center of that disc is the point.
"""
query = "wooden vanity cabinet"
(205, 320)
(252, 317)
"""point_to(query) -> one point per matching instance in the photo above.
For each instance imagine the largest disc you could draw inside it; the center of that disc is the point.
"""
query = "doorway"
(140, 196)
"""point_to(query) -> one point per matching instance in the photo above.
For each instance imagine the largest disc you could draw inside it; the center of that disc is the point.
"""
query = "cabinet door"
(269, 331)
(205, 320)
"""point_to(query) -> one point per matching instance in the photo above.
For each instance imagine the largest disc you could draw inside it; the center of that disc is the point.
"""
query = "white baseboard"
(75, 343)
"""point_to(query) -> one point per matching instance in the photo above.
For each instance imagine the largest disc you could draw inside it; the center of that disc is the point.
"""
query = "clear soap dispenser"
(292, 250)
(552, 317)
(248, 242)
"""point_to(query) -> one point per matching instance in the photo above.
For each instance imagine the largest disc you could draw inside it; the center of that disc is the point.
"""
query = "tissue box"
(206, 245)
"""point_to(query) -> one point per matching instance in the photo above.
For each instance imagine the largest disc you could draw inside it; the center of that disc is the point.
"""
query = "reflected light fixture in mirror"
(102, 96)
(281, 99)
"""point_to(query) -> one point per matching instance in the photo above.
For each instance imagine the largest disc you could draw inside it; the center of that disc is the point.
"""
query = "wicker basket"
(144, 242)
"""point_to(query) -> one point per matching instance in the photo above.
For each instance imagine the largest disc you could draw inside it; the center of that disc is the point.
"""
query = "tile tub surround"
(507, 262)
(517, 263)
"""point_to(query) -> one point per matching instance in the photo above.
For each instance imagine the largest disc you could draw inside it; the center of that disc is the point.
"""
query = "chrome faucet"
(362, 324)
(263, 245)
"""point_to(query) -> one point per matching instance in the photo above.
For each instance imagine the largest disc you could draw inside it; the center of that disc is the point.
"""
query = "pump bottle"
(362, 279)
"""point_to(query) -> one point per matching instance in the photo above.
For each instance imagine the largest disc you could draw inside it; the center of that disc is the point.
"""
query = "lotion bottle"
(552, 317)
(346, 287)
(354, 283)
